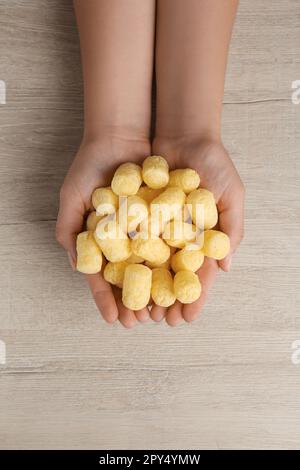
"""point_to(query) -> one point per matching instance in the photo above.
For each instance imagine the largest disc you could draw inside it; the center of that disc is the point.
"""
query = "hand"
(217, 174)
(93, 167)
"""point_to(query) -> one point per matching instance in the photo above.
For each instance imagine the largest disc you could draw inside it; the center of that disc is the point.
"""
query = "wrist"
(204, 122)
(119, 145)
(98, 132)
(187, 133)
(167, 144)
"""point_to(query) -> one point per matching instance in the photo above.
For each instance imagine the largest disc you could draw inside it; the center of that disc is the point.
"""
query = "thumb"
(69, 221)
(231, 222)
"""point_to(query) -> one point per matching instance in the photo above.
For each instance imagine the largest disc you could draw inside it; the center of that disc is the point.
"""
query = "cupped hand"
(219, 175)
(93, 167)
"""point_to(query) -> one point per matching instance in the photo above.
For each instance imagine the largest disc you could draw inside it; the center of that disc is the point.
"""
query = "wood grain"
(70, 381)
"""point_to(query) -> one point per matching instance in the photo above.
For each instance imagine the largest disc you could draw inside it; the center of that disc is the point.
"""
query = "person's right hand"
(93, 167)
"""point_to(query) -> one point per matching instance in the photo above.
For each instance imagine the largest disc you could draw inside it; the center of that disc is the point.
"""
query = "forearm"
(116, 38)
(193, 38)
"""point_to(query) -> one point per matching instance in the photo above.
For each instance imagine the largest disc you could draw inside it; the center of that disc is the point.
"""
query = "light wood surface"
(70, 381)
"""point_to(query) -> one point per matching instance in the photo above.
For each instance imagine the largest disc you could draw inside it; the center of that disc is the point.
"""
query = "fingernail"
(177, 322)
(144, 319)
(229, 263)
(160, 317)
(71, 261)
(157, 318)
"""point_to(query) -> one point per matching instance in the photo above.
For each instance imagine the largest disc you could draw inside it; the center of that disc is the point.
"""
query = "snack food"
(127, 179)
(153, 249)
(187, 287)
(152, 235)
(155, 172)
(204, 211)
(114, 243)
(136, 286)
(162, 290)
(89, 256)
(187, 259)
(105, 201)
(216, 244)
(186, 179)
(92, 221)
(114, 272)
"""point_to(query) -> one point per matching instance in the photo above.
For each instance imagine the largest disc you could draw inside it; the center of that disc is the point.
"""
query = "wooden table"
(70, 381)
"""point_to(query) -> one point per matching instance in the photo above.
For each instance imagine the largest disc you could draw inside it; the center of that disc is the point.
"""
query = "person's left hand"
(219, 175)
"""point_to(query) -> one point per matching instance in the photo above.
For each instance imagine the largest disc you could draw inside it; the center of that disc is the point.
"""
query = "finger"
(207, 275)
(174, 314)
(158, 313)
(126, 316)
(103, 296)
(231, 221)
(142, 315)
(69, 221)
